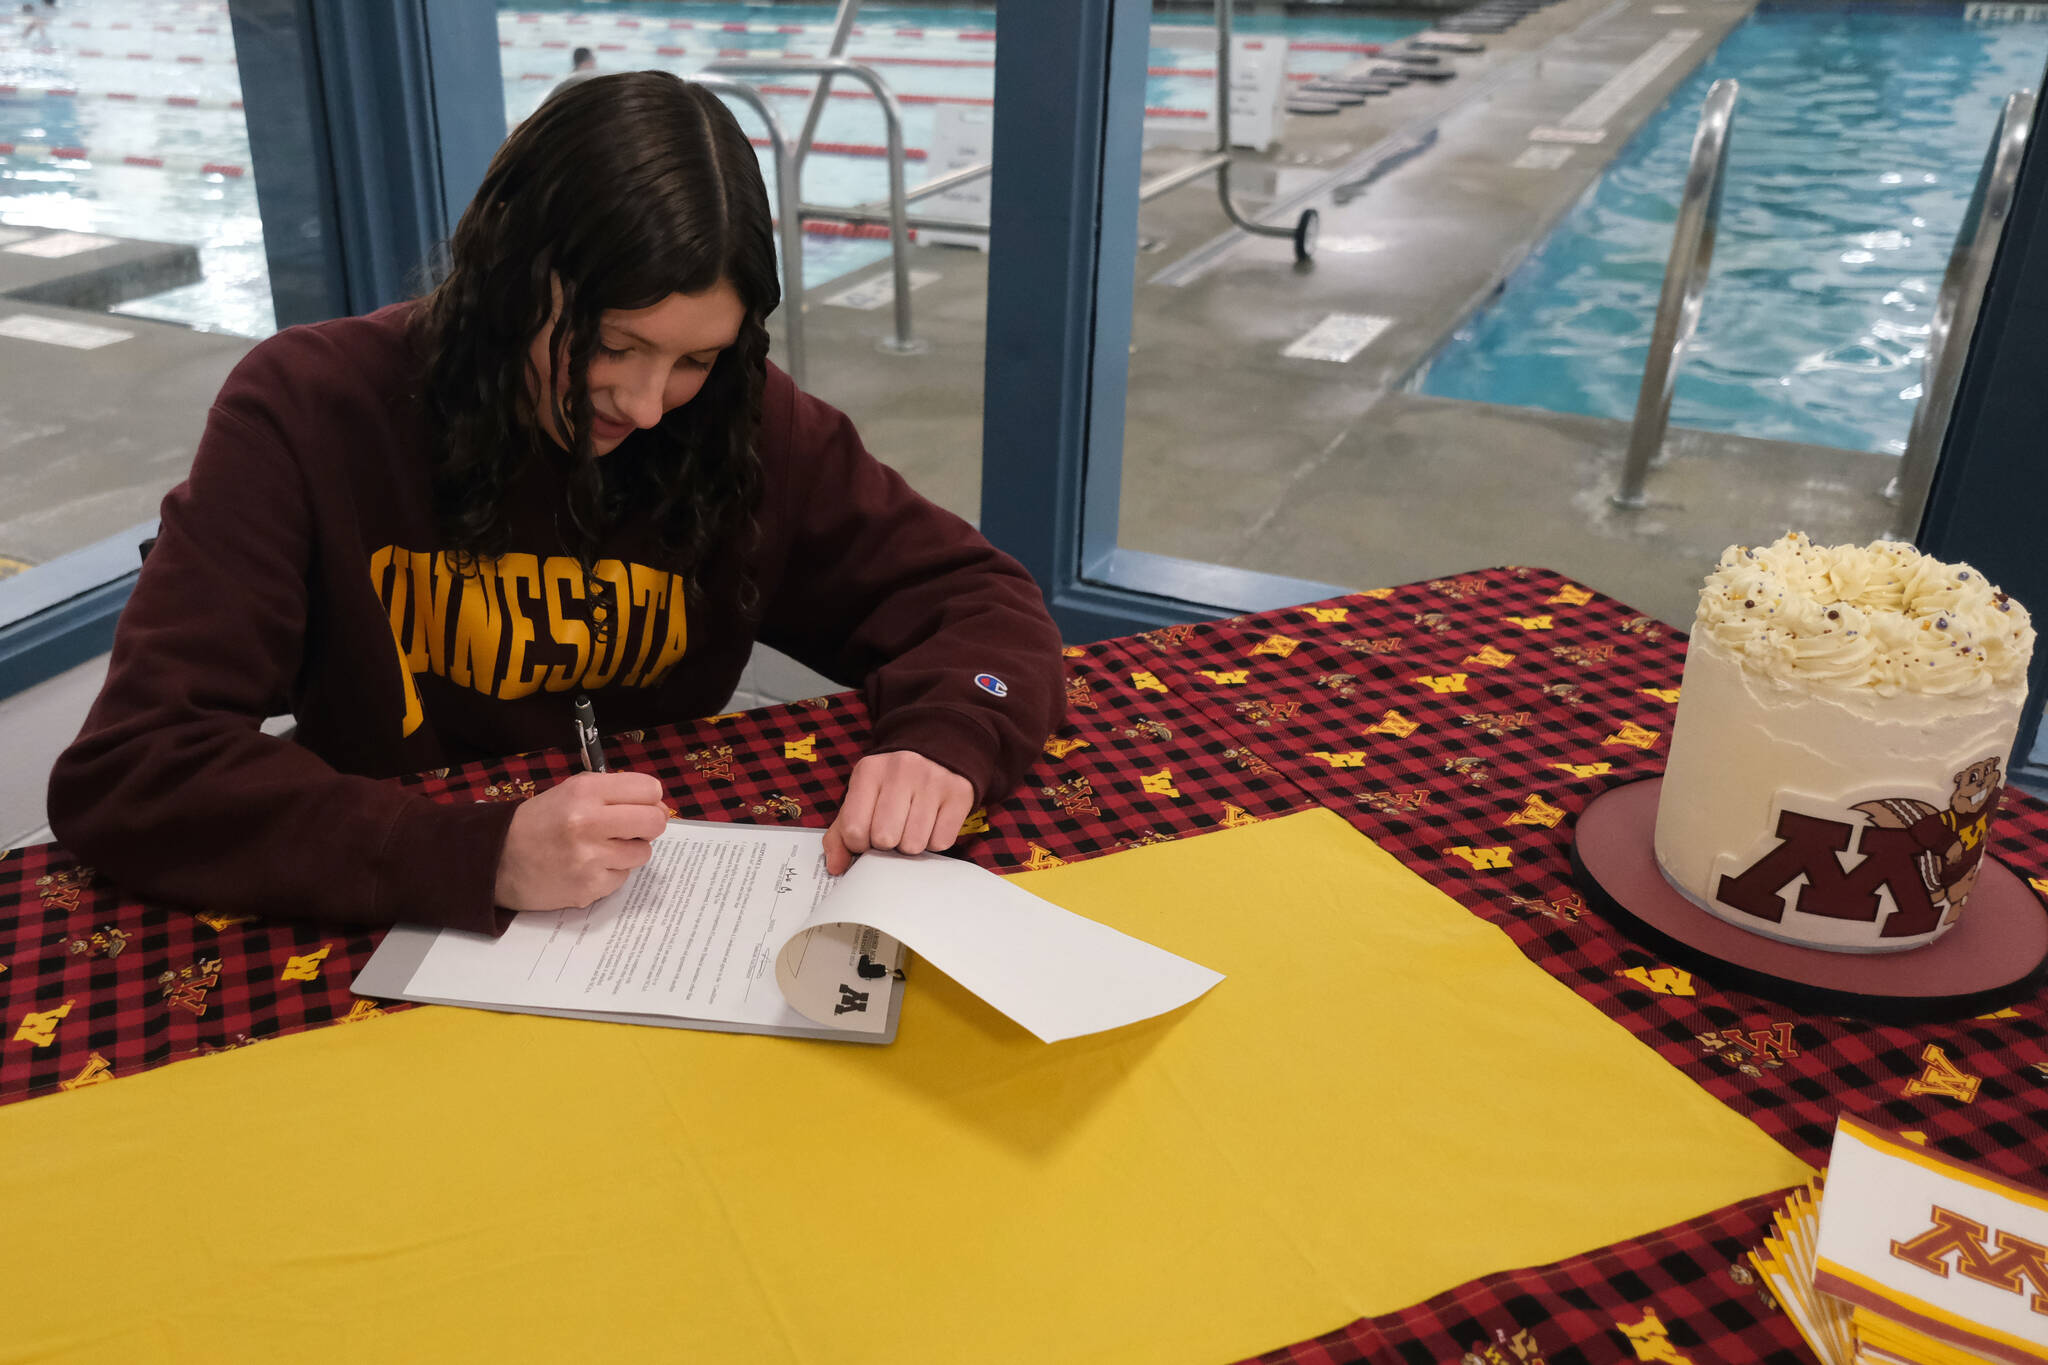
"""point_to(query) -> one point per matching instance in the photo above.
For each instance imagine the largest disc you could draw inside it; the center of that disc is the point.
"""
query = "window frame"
(1063, 213)
(370, 125)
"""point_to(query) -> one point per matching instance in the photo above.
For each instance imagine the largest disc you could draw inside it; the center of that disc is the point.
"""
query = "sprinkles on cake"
(1881, 615)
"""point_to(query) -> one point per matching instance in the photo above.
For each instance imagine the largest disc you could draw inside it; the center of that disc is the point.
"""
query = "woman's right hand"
(578, 840)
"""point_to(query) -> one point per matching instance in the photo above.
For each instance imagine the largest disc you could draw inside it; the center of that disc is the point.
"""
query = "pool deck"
(93, 271)
(90, 439)
(1237, 454)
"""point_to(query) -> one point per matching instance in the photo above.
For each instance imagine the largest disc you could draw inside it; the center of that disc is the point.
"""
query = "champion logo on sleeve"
(991, 684)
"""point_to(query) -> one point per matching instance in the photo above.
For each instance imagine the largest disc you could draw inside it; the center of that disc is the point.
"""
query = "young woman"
(568, 470)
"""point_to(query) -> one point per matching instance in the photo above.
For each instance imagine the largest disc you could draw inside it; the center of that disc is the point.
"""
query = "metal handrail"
(1955, 311)
(892, 116)
(787, 198)
(919, 222)
(878, 211)
(842, 29)
(951, 180)
(1685, 287)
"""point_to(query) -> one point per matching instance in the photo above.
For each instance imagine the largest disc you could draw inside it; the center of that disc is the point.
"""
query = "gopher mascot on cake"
(1952, 840)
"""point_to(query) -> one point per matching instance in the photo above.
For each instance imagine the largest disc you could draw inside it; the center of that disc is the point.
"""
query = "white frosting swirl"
(1881, 617)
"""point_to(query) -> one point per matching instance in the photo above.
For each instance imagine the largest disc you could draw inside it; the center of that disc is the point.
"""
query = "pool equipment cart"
(1685, 286)
(1955, 311)
(1303, 232)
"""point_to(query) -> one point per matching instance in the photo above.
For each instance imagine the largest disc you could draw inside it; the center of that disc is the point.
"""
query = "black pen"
(586, 737)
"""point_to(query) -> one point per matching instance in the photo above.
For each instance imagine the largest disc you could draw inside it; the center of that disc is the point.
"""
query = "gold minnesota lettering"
(521, 623)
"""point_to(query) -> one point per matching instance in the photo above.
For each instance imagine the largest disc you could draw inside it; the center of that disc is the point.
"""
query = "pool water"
(1856, 141)
(218, 213)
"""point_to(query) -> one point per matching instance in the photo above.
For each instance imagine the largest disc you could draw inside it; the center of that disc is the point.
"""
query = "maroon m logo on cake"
(1921, 859)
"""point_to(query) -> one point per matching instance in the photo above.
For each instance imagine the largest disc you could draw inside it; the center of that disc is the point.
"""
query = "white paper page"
(692, 934)
(1052, 971)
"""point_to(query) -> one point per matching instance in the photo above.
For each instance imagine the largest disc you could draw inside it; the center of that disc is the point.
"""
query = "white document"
(962, 136)
(738, 927)
(1052, 971)
(694, 934)
(1258, 90)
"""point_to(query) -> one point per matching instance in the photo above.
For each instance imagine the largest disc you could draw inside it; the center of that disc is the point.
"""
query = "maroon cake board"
(1995, 956)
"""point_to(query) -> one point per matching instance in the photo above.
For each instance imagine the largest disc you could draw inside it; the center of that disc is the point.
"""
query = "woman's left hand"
(901, 801)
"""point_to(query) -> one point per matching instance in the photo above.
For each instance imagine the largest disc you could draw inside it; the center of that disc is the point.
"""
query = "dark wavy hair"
(620, 190)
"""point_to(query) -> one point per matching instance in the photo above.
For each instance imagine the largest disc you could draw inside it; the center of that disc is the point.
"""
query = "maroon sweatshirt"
(299, 569)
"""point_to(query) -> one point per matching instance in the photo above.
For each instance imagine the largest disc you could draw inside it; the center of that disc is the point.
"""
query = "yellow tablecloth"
(1383, 1100)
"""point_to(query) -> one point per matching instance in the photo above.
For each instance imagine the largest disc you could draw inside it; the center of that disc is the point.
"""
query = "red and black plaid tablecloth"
(1462, 723)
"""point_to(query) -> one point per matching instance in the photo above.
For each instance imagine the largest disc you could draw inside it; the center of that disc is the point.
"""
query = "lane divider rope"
(48, 152)
(56, 92)
(516, 19)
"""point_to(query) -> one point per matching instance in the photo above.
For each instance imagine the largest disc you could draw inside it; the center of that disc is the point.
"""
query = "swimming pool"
(1855, 144)
(98, 80)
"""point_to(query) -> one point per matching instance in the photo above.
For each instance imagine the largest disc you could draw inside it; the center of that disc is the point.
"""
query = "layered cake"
(1840, 744)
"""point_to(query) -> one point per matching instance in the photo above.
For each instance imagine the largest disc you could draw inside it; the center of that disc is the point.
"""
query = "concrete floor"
(92, 435)
(91, 440)
(1233, 452)
(1547, 504)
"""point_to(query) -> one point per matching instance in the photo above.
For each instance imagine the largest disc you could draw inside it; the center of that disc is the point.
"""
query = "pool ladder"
(1955, 309)
(1685, 286)
(789, 158)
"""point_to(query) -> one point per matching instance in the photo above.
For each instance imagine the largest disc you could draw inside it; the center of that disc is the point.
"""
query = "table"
(1461, 723)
